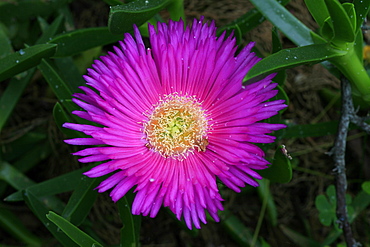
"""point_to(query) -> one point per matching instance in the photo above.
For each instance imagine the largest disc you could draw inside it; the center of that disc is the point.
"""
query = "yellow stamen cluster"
(177, 126)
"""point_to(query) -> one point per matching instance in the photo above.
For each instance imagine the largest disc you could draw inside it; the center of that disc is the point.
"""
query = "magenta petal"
(132, 97)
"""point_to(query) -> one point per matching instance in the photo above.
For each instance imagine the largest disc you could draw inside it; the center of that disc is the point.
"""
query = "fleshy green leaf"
(176, 10)
(362, 8)
(63, 183)
(14, 226)
(39, 209)
(358, 45)
(5, 44)
(366, 187)
(277, 46)
(236, 229)
(51, 30)
(350, 10)
(75, 234)
(131, 223)
(280, 170)
(327, 30)
(81, 201)
(246, 22)
(318, 10)
(11, 95)
(61, 117)
(13, 150)
(24, 59)
(343, 30)
(309, 130)
(14, 177)
(80, 40)
(26, 10)
(294, 29)
(123, 17)
(265, 194)
(113, 2)
(55, 80)
(288, 58)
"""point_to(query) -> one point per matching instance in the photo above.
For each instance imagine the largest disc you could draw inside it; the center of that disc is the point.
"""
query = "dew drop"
(56, 86)
(16, 61)
(151, 180)
(21, 52)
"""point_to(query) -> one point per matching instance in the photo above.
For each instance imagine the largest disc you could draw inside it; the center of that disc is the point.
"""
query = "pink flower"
(173, 118)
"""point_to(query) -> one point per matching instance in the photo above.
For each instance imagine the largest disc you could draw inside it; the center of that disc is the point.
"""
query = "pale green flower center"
(177, 126)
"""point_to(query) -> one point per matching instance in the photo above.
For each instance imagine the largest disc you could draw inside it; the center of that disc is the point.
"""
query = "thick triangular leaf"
(24, 59)
(75, 234)
(289, 58)
(123, 17)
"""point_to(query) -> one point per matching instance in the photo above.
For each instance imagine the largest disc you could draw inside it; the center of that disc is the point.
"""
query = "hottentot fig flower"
(172, 118)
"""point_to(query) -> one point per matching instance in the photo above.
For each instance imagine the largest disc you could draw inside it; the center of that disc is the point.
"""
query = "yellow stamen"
(177, 126)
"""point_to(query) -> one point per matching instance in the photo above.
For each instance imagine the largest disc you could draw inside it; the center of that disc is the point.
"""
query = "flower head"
(173, 118)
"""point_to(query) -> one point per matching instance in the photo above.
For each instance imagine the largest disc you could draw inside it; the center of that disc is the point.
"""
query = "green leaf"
(360, 203)
(130, 231)
(366, 187)
(80, 40)
(358, 45)
(26, 10)
(14, 226)
(343, 30)
(309, 130)
(55, 80)
(51, 30)
(61, 117)
(318, 10)
(11, 95)
(350, 10)
(81, 201)
(277, 46)
(280, 170)
(63, 183)
(246, 22)
(236, 229)
(123, 17)
(326, 215)
(176, 10)
(24, 59)
(113, 2)
(69, 72)
(362, 8)
(75, 234)
(293, 57)
(33, 156)
(265, 194)
(327, 30)
(13, 150)
(13, 177)
(5, 44)
(326, 205)
(39, 209)
(294, 29)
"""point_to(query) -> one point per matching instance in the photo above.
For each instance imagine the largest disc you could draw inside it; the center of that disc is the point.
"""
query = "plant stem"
(353, 69)
(338, 153)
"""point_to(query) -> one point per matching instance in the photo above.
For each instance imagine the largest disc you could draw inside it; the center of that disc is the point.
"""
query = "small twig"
(338, 153)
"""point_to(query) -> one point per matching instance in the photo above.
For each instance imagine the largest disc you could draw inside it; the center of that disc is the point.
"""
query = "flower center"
(177, 126)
